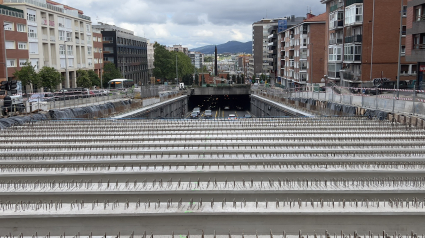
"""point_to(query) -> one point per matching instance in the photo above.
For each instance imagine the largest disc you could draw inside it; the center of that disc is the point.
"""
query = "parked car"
(248, 116)
(197, 110)
(42, 97)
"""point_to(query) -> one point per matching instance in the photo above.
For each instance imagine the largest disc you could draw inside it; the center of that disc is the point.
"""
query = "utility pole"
(399, 49)
(177, 73)
(66, 67)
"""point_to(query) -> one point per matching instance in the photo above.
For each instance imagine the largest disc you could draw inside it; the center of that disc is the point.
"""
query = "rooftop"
(319, 18)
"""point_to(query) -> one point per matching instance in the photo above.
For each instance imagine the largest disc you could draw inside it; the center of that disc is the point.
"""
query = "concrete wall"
(174, 108)
(230, 90)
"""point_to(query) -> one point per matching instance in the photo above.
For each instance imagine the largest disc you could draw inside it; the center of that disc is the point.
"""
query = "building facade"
(415, 38)
(264, 45)
(197, 59)
(97, 52)
(363, 42)
(59, 36)
(127, 51)
(16, 44)
(302, 54)
(178, 48)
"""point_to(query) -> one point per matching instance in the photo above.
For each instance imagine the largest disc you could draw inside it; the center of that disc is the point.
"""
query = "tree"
(28, 76)
(228, 77)
(83, 79)
(196, 80)
(234, 78)
(50, 78)
(110, 72)
(238, 78)
(94, 78)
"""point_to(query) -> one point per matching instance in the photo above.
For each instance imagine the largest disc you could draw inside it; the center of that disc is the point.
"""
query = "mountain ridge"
(228, 47)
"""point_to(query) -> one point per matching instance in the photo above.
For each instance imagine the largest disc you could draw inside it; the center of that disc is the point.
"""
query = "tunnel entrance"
(222, 105)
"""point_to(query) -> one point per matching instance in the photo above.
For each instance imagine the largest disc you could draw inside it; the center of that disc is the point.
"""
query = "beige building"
(151, 58)
(59, 36)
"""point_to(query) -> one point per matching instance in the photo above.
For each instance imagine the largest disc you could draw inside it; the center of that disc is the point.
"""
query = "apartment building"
(178, 48)
(263, 61)
(59, 36)
(16, 44)
(127, 51)
(97, 51)
(415, 38)
(197, 59)
(302, 52)
(363, 42)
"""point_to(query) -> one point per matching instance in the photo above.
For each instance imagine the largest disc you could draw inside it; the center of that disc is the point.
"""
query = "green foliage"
(27, 75)
(83, 79)
(165, 64)
(94, 78)
(50, 78)
(196, 79)
(110, 72)
(208, 59)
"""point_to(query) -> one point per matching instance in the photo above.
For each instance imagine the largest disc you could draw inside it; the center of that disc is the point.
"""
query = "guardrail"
(407, 101)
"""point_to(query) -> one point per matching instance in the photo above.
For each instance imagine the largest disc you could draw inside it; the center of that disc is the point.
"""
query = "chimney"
(309, 15)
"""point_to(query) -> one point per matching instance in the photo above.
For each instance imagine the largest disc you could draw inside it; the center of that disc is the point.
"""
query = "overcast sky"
(191, 23)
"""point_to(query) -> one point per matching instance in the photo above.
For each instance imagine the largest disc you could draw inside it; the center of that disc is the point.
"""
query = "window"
(8, 26)
(22, 45)
(89, 39)
(10, 45)
(33, 47)
(31, 15)
(352, 52)
(89, 50)
(353, 14)
(20, 27)
(88, 28)
(22, 62)
(418, 12)
(89, 62)
(34, 63)
(70, 62)
(403, 31)
(335, 53)
(11, 63)
(32, 32)
(61, 49)
(61, 21)
(69, 50)
(68, 36)
(403, 49)
(404, 11)
(63, 63)
(68, 23)
(61, 35)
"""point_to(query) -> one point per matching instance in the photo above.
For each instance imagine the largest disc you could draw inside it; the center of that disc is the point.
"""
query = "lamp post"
(66, 67)
(5, 51)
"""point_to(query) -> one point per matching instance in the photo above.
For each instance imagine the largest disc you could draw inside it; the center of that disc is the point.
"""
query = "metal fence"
(407, 101)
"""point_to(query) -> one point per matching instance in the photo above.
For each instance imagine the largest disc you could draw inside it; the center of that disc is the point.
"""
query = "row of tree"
(49, 78)
(165, 64)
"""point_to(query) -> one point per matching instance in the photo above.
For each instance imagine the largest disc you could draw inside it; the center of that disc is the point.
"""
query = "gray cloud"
(192, 22)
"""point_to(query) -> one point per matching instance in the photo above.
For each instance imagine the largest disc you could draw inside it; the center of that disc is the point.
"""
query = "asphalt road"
(221, 114)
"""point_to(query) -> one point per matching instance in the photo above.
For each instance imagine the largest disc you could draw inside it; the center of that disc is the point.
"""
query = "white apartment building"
(197, 59)
(58, 36)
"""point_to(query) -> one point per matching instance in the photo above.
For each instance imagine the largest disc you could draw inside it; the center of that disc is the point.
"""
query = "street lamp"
(66, 66)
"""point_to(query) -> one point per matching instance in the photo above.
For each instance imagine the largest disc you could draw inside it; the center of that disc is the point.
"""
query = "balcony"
(335, 41)
(351, 2)
(336, 24)
(272, 36)
(348, 75)
(419, 47)
(303, 56)
(270, 44)
(355, 39)
(77, 41)
(333, 8)
(291, 57)
(44, 37)
(303, 68)
(333, 74)
(52, 23)
(52, 39)
(44, 21)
